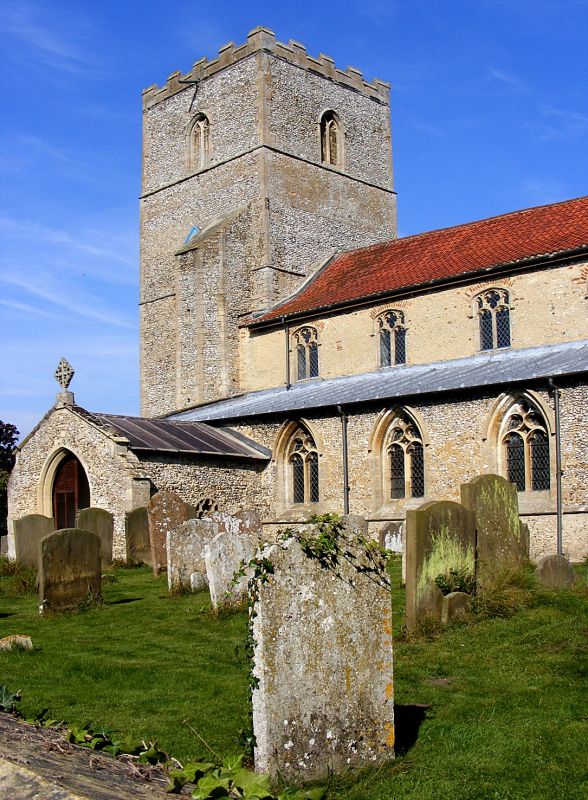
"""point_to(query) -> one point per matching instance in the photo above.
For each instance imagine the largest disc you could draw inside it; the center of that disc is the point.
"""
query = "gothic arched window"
(526, 448)
(494, 319)
(199, 142)
(405, 461)
(331, 140)
(392, 337)
(306, 348)
(303, 470)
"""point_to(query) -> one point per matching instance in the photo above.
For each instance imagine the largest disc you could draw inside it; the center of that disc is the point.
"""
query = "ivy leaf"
(211, 786)
(8, 699)
(252, 784)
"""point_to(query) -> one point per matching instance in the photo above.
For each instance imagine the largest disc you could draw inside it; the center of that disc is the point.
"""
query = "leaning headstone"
(165, 512)
(555, 572)
(28, 532)
(323, 667)
(440, 537)
(501, 542)
(224, 556)
(69, 568)
(185, 545)
(137, 536)
(248, 522)
(100, 522)
(456, 606)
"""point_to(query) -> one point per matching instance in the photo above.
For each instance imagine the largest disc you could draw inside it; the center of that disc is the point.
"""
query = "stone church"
(296, 356)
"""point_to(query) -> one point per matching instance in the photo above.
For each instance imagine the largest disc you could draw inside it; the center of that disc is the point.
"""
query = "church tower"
(257, 167)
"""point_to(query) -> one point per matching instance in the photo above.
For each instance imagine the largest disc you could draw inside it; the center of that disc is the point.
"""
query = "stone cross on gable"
(64, 373)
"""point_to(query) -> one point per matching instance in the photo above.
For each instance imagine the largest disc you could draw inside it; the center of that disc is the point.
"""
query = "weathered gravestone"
(440, 537)
(501, 540)
(555, 572)
(28, 532)
(100, 522)
(456, 605)
(248, 522)
(69, 568)
(391, 537)
(186, 568)
(137, 536)
(323, 662)
(165, 512)
(224, 555)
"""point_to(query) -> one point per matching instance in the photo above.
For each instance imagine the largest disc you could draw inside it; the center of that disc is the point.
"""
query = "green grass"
(506, 697)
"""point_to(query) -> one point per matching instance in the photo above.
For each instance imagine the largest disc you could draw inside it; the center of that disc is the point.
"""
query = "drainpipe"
(558, 471)
(344, 419)
(287, 339)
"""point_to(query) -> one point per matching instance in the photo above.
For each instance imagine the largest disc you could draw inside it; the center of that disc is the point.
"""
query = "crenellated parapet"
(262, 39)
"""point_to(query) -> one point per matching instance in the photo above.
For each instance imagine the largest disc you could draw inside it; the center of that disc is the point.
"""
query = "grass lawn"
(495, 709)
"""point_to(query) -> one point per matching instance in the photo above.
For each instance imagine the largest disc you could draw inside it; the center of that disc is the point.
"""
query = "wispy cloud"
(513, 82)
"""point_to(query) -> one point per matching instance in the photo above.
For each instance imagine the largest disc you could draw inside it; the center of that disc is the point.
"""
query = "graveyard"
(489, 708)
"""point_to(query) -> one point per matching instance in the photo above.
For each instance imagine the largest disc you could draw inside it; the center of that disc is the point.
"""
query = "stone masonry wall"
(117, 481)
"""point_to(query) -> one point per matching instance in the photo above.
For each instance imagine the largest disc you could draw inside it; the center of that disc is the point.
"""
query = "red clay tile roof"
(441, 254)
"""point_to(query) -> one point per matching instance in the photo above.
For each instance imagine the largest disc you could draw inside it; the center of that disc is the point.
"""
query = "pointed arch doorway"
(71, 491)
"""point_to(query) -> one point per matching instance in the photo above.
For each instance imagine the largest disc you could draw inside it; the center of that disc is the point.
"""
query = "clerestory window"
(392, 338)
(303, 470)
(405, 462)
(331, 140)
(526, 448)
(306, 349)
(494, 318)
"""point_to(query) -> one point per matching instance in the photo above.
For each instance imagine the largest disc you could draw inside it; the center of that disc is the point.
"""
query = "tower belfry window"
(199, 142)
(331, 140)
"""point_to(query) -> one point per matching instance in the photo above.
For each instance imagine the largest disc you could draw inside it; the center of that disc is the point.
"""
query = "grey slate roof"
(167, 436)
(495, 368)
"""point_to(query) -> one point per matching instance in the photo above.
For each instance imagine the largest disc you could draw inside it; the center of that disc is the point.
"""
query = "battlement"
(262, 39)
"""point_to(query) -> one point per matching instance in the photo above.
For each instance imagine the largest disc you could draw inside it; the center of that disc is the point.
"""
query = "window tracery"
(493, 308)
(331, 140)
(303, 471)
(306, 347)
(199, 142)
(405, 462)
(392, 338)
(526, 448)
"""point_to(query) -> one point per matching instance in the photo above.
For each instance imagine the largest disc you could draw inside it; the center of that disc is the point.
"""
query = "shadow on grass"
(124, 600)
(4, 614)
(407, 721)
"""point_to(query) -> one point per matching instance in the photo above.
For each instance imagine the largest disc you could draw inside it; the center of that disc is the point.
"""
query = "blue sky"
(489, 114)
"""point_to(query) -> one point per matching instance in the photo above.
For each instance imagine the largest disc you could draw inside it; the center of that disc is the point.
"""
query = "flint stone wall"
(224, 555)
(137, 536)
(28, 532)
(99, 521)
(165, 512)
(323, 659)
(69, 568)
(439, 537)
(185, 545)
(501, 538)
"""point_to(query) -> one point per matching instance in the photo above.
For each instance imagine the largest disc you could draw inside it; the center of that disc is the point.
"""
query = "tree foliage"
(8, 440)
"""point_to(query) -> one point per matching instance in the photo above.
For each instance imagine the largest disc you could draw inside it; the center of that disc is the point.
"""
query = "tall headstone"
(28, 532)
(100, 522)
(501, 541)
(224, 555)
(69, 568)
(165, 512)
(440, 537)
(137, 536)
(323, 662)
(186, 568)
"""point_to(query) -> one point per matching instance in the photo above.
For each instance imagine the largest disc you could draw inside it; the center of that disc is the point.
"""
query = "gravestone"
(440, 536)
(501, 541)
(185, 545)
(137, 536)
(69, 568)
(28, 532)
(165, 512)
(555, 572)
(323, 662)
(248, 522)
(456, 605)
(100, 522)
(224, 555)
(391, 537)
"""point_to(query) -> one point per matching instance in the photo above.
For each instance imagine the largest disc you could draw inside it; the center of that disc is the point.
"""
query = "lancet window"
(331, 140)
(199, 142)
(526, 448)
